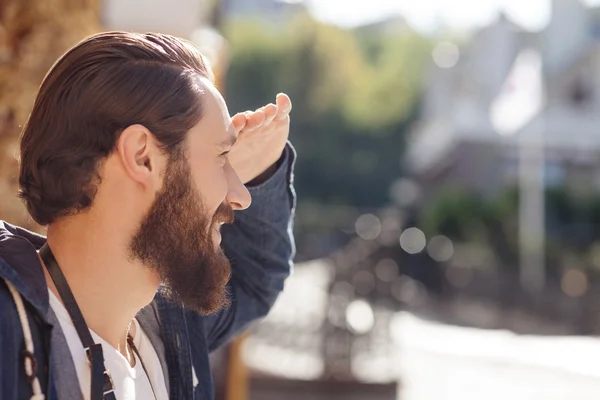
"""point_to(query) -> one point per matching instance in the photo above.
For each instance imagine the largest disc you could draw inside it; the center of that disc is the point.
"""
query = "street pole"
(532, 209)
(519, 109)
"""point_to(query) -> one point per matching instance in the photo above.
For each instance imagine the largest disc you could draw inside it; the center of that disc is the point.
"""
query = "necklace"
(133, 355)
(128, 347)
(137, 355)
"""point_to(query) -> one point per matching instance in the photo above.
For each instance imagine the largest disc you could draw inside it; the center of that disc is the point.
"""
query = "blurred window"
(511, 170)
(580, 93)
(595, 29)
(554, 174)
(596, 178)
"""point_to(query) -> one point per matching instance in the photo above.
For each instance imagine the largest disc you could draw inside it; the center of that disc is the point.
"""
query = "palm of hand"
(262, 135)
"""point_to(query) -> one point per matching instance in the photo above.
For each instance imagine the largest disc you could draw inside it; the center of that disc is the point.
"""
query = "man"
(131, 159)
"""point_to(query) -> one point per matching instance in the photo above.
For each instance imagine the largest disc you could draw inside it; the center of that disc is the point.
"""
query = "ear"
(139, 155)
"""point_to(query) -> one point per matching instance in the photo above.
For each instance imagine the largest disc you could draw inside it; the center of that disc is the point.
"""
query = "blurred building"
(273, 13)
(455, 142)
(179, 18)
(395, 25)
(194, 20)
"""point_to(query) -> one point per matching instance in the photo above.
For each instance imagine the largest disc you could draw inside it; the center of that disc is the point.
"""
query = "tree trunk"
(33, 34)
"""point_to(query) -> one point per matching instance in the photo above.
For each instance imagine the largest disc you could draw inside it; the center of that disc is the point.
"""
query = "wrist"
(266, 174)
(260, 179)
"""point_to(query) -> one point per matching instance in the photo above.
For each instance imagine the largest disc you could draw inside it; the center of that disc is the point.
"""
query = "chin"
(154, 278)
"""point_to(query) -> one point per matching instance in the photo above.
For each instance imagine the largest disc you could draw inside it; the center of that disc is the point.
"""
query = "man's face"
(180, 235)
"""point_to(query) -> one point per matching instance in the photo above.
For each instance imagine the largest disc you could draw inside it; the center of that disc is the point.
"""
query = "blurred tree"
(454, 213)
(354, 98)
(33, 34)
(572, 225)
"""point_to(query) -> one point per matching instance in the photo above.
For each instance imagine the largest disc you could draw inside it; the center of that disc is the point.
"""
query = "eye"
(223, 158)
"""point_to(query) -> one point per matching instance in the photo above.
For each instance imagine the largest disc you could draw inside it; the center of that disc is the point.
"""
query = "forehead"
(215, 126)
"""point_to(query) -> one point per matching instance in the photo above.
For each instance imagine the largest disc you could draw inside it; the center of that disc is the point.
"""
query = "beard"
(175, 240)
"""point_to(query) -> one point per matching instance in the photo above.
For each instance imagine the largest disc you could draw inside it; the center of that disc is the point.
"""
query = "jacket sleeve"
(260, 246)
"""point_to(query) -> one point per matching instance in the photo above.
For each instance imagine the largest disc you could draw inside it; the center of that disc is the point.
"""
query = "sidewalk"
(439, 362)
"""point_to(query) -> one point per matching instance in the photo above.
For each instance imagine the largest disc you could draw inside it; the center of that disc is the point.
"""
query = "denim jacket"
(260, 246)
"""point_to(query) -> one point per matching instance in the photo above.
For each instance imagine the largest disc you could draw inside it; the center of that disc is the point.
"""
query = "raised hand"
(262, 135)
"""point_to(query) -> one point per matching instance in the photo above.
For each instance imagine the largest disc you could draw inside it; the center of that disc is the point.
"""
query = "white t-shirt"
(130, 383)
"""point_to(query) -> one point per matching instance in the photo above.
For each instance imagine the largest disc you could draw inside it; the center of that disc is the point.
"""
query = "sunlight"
(429, 15)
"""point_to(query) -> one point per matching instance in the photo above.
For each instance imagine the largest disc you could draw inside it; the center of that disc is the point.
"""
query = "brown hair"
(104, 84)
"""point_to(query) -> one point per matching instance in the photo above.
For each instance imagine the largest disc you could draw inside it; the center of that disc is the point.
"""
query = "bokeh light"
(440, 248)
(360, 317)
(386, 269)
(413, 240)
(404, 192)
(368, 227)
(446, 54)
(574, 283)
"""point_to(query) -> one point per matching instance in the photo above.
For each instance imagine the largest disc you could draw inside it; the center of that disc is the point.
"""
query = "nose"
(238, 196)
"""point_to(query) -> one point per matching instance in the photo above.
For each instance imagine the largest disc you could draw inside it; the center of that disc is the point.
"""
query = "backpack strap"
(30, 361)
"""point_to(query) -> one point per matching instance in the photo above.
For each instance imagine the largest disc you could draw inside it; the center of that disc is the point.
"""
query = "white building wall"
(175, 17)
(567, 34)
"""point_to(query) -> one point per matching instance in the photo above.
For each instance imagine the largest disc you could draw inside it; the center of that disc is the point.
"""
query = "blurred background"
(448, 223)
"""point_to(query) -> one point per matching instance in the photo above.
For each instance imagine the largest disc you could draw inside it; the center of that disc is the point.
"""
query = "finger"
(239, 121)
(284, 105)
(270, 111)
(256, 120)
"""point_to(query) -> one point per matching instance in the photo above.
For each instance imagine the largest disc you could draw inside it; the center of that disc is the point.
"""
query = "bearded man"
(154, 254)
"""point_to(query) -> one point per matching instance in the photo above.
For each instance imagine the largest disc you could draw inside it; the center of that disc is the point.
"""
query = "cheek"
(211, 184)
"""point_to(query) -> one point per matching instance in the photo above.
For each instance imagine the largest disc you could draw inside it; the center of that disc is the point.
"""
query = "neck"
(108, 286)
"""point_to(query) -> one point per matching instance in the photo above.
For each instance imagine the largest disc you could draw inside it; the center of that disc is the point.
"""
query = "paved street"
(439, 362)
(433, 360)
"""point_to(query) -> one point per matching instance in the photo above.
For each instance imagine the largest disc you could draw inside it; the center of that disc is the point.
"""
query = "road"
(442, 362)
(432, 360)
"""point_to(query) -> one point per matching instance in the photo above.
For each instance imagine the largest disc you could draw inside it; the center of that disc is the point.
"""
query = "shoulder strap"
(30, 360)
(102, 384)
(67, 296)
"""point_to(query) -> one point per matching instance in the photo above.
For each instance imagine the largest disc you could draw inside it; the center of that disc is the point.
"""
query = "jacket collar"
(20, 265)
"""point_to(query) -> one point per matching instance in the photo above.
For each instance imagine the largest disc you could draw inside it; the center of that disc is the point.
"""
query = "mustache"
(224, 214)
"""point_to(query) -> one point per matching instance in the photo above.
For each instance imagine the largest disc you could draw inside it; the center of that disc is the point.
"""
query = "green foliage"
(572, 224)
(354, 98)
(454, 213)
(391, 82)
